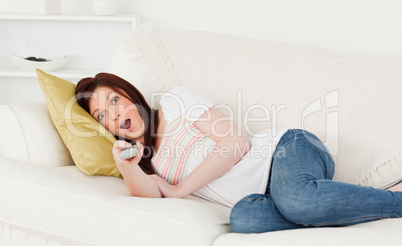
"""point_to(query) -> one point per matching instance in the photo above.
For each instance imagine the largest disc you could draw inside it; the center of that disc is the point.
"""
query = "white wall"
(344, 26)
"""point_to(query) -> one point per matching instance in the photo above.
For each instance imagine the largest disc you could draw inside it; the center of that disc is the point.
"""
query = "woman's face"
(118, 114)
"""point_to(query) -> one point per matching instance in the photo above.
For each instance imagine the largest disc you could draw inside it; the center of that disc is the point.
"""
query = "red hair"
(87, 86)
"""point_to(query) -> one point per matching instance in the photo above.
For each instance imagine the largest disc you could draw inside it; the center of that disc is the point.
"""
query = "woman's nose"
(114, 113)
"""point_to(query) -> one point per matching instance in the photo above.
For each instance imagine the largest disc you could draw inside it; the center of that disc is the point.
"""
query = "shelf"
(70, 17)
(134, 19)
(62, 73)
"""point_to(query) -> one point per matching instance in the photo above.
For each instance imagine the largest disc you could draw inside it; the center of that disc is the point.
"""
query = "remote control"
(128, 153)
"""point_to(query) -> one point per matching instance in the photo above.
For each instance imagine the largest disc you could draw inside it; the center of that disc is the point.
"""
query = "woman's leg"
(303, 192)
(257, 213)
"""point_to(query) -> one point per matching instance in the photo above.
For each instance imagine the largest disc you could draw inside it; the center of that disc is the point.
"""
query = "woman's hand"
(119, 146)
(166, 189)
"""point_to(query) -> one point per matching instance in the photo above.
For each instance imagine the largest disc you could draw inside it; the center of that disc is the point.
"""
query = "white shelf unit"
(134, 19)
(90, 39)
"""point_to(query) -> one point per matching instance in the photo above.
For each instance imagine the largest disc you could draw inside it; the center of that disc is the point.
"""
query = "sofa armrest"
(28, 135)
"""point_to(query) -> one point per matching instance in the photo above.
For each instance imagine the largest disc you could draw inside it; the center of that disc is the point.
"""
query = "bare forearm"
(138, 183)
(221, 159)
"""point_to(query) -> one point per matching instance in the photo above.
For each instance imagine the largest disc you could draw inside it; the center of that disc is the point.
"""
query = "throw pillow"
(89, 143)
(153, 72)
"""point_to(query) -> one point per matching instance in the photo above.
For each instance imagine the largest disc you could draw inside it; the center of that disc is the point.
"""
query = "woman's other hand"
(166, 189)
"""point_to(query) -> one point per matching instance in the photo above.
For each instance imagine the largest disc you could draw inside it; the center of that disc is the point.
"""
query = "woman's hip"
(303, 151)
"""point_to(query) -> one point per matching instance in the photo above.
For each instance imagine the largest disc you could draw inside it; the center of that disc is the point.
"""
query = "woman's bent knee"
(257, 213)
(243, 217)
(303, 208)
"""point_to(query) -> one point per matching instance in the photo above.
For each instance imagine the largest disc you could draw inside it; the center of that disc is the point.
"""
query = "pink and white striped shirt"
(184, 147)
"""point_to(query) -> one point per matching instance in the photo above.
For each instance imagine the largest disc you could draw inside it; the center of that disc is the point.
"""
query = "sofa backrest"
(351, 103)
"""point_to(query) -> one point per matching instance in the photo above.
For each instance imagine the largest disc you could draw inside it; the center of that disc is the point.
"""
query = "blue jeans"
(300, 193)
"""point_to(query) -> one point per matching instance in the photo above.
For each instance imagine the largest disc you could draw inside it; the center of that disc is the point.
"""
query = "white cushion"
(353, 104)
(29, 135)
(98, 210)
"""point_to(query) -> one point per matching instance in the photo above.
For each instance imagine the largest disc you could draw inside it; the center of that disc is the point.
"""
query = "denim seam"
(294, 137)
(305, 145)
(346, 221)
(259, 200)
(315, 149)
(294, 133)
(320, 153)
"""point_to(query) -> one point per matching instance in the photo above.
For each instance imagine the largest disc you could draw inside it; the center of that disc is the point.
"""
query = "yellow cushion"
(89, 143)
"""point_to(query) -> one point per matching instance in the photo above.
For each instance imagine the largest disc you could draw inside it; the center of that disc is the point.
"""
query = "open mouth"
(126, 124)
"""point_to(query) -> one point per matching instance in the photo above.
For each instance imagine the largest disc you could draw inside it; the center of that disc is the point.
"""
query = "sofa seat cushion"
(382, 232)
(98, 210)
(16, 235)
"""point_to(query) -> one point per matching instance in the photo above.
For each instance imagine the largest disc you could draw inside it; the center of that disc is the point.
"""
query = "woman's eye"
(115, 99)
(101, 116)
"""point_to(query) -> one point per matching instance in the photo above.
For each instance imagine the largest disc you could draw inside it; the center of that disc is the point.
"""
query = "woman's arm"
(138, 183)
(228, 137)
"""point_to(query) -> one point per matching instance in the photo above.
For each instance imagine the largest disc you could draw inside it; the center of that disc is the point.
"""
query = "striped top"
(183, 146)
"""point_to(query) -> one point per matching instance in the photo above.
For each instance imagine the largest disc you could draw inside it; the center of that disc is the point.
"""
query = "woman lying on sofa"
(188, 146)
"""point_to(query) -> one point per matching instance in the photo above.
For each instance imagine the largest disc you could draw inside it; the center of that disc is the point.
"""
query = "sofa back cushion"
(351, 103)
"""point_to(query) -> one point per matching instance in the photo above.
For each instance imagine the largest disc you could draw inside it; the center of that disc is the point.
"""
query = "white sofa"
(352, 103)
